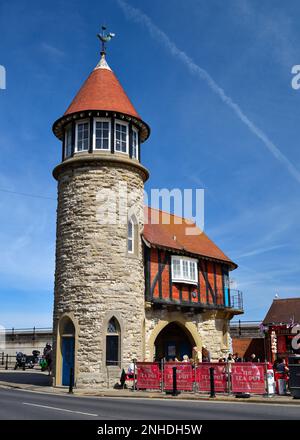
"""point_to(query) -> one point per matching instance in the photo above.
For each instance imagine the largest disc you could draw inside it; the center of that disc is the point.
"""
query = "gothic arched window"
(113, 334)
(132, 236)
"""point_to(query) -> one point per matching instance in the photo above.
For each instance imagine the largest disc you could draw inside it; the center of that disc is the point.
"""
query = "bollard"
(134, 374)
(212, 382)
(175, 391)
(71, 381)
(162, 366)
(2, 360)
(6, 362)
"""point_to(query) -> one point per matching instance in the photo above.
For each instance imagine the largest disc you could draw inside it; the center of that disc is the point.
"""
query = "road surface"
(25, 405)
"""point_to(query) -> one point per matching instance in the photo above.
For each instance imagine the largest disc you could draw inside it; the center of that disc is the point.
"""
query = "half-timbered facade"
(186, 274)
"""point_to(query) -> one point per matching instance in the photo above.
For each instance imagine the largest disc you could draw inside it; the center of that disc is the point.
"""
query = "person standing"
(205, 354)
(237, 358)
(230, 358)
(48, 357)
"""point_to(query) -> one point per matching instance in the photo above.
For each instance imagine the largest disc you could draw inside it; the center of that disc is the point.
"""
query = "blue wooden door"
(68, 345)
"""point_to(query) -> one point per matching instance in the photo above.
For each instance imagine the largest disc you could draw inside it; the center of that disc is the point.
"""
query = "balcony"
(236, 300)
(185, 297)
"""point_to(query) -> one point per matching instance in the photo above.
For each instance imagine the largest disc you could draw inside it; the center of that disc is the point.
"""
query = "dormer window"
(135, 143)
(68, 141)
(101, 134)
(121, 137)
(184, 270)
(82, 136)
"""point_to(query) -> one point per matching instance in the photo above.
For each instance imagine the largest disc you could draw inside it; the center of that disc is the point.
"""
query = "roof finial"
(104, 38)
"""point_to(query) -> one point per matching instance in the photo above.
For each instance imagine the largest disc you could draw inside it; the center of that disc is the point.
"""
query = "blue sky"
(247, 157)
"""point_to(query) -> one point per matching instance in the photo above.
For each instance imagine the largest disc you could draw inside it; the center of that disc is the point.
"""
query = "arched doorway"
(67, 337)
(174, 341)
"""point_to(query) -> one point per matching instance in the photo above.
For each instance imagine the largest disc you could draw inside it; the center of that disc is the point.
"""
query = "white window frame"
(125, 124)
(68, 129)
(181, 278)
(130, 239)
(94, 133)
(135, 130)
(83, 121)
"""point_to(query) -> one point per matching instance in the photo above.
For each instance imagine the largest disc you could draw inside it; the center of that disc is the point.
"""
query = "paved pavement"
(19, 377)
(35, 380)
(27, 405)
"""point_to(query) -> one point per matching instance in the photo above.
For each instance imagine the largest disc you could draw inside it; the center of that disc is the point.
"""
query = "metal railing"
(28, 330)
(236, 299)
(203, 298)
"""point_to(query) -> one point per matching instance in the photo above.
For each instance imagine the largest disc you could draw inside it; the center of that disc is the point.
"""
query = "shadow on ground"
(28, 378)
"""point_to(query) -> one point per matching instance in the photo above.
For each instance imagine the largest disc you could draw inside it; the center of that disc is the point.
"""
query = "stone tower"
(99, 306)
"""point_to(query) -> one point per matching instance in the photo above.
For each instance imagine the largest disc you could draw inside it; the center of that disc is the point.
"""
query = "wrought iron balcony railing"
(236, 300)
(200, 298)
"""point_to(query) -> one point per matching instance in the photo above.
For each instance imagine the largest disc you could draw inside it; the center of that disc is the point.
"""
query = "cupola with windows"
(101, 119)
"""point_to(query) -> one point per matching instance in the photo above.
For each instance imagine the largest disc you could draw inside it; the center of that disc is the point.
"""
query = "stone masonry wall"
(95, 277)
(209, 326)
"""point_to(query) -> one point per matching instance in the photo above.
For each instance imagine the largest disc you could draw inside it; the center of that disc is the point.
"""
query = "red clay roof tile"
(283, 311)
(174, 236)
(102, 91)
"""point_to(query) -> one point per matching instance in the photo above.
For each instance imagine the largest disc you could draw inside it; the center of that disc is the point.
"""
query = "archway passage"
(174, 341)
(67, 331)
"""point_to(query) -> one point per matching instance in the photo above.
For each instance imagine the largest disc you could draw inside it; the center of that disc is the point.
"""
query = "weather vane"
(104, 38)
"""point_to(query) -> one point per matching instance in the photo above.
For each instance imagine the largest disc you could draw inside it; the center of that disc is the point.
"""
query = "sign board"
(248, 378)
(184, 375)
(148, 375)
(220, 374)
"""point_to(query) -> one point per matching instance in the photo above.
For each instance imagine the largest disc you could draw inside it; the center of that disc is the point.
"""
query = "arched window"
(132, 236)
(113, 334)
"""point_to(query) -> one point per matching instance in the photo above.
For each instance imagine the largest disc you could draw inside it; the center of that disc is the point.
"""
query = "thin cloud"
(52, 50)
(156, 33)
(260, 251)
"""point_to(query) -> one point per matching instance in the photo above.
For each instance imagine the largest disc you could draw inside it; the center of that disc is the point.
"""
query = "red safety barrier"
(148, 375)
(239, 377)
(248, 378)
(202, 376)
(184, 376)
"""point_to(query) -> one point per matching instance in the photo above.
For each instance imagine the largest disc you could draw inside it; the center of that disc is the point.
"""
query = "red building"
(280, 320)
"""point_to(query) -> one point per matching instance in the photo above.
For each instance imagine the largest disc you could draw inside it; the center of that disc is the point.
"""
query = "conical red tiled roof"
(102, 91)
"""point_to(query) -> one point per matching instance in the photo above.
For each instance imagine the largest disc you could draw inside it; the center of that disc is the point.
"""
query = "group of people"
(236, 358)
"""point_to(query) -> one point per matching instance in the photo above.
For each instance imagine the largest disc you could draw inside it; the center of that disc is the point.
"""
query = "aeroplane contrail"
(139, 17)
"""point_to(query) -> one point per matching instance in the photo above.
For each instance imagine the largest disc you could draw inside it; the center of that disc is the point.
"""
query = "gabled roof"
(174, 236)
(102, 91)
(283, 311)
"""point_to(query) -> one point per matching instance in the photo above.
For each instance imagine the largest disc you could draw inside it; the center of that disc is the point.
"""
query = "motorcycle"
(27, 361)
(20, 360)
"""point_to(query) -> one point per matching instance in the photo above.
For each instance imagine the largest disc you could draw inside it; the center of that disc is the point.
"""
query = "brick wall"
(246, 346)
